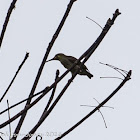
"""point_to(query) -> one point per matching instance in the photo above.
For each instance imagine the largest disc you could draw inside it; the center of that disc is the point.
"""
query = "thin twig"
(115, 68)
(12, 6)
(98, 107)
(103, 118)
(25, 58)
(95, 22)
(101, 113)
(102, 106)
(113, 77)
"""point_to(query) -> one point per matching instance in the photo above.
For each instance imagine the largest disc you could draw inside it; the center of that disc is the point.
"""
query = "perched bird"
(68, 61)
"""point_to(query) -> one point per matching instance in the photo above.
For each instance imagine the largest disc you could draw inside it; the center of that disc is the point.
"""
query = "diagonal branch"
(25, 58)
(12, 6)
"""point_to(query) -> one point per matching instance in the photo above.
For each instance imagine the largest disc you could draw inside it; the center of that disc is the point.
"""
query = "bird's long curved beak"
(50, 60)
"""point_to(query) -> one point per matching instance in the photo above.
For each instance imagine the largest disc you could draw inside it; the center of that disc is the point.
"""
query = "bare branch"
(25, 58)
(96, 106)
(117, 69)
(101, 113)
(113, 77)
(12, 6)
(95, 22)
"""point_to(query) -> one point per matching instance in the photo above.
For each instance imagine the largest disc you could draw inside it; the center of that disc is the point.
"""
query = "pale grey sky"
(30, 29)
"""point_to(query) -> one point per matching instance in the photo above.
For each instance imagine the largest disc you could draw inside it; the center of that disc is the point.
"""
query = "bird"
(68, 61)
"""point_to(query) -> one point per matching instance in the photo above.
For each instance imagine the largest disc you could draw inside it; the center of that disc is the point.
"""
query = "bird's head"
(58, 56)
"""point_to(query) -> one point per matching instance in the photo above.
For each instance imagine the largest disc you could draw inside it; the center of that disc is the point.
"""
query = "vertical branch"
(43, 63)
(12, 6)
(26, 56)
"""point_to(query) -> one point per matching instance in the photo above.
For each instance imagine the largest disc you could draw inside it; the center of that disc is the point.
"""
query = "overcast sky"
(30, 29)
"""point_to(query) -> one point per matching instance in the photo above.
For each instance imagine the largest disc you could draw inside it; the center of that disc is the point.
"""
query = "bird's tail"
(89, 75)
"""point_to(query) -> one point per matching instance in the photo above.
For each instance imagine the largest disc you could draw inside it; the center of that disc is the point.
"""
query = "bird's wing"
(73, 59)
